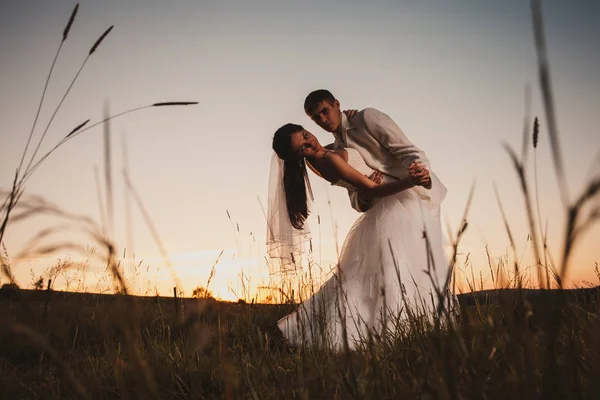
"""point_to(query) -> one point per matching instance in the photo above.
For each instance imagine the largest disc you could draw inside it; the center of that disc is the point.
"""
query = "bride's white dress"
(383, 268)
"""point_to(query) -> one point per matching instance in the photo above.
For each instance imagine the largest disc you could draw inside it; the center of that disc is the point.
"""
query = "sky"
(452, 74)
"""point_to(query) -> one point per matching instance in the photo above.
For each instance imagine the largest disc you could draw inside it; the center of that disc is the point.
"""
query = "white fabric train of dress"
(384, 251)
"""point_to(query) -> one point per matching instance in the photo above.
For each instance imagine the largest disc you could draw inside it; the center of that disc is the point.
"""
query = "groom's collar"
(346, 124)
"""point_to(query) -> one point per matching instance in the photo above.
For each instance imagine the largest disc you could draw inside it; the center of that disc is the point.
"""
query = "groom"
(378, 139)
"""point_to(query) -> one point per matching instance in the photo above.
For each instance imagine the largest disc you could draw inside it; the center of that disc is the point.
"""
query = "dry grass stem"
(548, 97)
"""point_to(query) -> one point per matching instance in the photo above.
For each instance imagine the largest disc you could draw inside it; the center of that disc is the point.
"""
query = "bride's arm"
(369, 189)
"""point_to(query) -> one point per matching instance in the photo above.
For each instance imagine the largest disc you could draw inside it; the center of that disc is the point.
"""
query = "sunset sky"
(452, 74)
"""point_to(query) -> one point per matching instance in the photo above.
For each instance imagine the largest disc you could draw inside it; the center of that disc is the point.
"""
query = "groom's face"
(327, 116)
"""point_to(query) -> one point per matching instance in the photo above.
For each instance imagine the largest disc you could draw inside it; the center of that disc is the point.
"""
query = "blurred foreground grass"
(118, 346)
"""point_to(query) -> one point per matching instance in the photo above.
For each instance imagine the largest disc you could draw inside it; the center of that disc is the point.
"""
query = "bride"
(387, 264)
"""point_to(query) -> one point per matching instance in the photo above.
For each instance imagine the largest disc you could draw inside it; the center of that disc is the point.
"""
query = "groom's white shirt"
(385, 148)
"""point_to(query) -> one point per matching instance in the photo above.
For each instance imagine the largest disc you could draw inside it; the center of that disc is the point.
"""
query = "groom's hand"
(376, 177)
(350, 113)
(419, 175)
(427, 184)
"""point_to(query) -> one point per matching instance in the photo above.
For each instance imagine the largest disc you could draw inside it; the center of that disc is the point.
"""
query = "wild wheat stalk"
(548, 98)
(535, 138)
(573, 209)
(65, 35)
(528, 207)
(77, 131)
(21, 176)
(92, 50)
(444, 292)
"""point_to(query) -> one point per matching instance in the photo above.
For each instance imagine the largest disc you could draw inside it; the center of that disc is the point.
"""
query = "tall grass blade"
(92, 50)
(535, 139)
(529, 209)
(108, 173)
(100, 200)
(128, 214)
(39, 144)
(572, 230)
(153, 230)
(31, 170)
(510, 238)
(37, 114)
(65, 34)
(526, 120)
(44, 345)
(548, 98)
(12, 201)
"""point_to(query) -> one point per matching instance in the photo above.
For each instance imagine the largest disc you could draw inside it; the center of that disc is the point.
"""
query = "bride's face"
(304, 144)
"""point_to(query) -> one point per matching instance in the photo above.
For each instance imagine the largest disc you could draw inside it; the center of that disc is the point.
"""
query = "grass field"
(503, 344)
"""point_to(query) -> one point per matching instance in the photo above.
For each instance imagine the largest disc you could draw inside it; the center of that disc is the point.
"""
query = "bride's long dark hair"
(295, 177)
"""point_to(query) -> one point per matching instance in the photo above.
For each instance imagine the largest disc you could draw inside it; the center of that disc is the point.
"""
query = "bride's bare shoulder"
(334, 159)
(329, 165)
(339, 152)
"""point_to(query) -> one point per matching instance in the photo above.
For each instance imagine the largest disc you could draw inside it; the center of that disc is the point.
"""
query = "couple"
(392, 259)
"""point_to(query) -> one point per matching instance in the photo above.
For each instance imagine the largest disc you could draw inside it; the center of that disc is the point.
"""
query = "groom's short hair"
(315, 97)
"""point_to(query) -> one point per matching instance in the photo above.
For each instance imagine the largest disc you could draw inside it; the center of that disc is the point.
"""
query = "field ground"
(504, 344)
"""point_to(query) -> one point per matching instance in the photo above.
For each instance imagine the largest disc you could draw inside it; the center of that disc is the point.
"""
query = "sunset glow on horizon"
(451, 74)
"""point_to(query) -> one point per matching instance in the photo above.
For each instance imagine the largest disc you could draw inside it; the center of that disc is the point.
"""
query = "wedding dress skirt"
(387, 266)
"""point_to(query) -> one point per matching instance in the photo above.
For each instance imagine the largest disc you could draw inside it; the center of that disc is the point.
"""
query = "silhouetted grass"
(227, 350)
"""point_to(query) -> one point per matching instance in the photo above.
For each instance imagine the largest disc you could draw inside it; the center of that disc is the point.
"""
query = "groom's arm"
(389, 134)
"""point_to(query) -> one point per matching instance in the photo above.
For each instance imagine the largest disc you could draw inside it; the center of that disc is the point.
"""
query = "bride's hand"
(350, 113)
